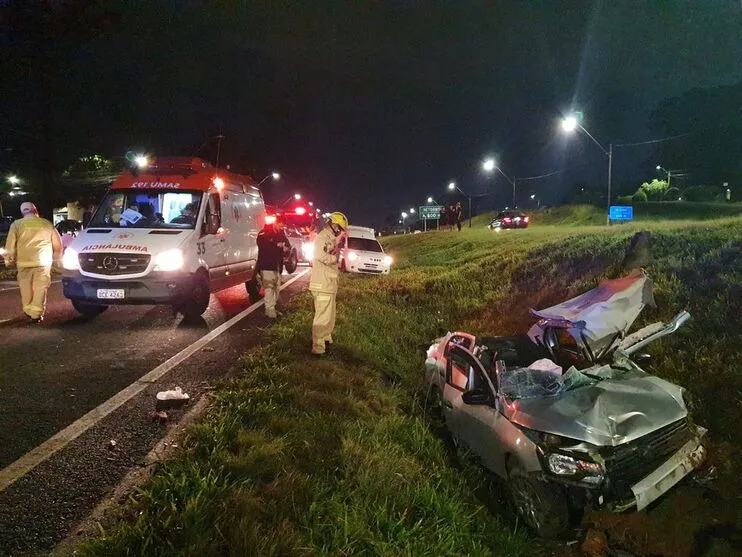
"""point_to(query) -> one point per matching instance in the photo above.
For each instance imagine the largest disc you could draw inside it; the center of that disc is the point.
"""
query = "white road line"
(33, 458)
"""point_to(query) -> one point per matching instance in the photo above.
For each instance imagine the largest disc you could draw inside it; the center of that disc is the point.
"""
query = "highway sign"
(621, 212)
(430, 212)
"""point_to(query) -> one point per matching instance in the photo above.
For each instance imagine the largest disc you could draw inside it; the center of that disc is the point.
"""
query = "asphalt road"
(53, 373)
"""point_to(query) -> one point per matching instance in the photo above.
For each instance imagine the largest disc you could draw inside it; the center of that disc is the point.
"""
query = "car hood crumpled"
(599, 314)
(607, 413)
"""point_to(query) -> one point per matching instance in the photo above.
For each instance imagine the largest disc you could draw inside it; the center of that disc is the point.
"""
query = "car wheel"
(88, 310)
(292, 262)
(541, 505)
(198, 297)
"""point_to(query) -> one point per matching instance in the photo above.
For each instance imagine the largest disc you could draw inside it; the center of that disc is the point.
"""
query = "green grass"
(340, 456)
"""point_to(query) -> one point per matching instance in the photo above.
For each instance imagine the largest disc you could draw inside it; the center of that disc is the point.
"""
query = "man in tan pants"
(323, 283)
(33, 245)
(273, 247)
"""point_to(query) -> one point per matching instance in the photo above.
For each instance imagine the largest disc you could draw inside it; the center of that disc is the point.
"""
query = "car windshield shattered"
(142, 208)
(544, 378)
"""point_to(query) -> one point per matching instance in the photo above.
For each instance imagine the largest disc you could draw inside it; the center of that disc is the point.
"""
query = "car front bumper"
(155, 288)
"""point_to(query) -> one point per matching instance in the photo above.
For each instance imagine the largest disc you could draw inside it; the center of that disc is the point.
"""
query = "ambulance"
(170, 233)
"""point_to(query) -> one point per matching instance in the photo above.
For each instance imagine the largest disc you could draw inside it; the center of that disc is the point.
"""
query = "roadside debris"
(160, 417)
(112, 444)
(167, 400)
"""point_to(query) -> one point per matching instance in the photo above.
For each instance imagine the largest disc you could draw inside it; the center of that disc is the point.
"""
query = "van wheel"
(88, 310)
(253, 289)
(198, 298)
(291, 264)
(541, 505)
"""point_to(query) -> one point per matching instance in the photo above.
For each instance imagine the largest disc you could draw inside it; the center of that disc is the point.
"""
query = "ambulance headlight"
(307, 249)
(70, 261)
(170, 260)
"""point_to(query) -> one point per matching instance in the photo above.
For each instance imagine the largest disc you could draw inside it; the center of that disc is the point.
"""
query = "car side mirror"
(213, 222)
(476, 398)
(643, 359)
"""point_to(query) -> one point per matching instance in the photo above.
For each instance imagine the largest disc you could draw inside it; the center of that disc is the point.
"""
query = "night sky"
(369, 107)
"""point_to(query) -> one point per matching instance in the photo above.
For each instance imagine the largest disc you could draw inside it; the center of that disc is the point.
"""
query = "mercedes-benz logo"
(110, 263)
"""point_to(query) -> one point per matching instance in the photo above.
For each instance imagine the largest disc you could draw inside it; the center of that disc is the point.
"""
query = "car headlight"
(565, 465)
(307, 249)
(70, 261)
(388, 260)
(2, 251)
(170, 260)
(352, 256)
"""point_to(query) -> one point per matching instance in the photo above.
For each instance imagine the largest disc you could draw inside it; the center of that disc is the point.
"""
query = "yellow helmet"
(339, 219)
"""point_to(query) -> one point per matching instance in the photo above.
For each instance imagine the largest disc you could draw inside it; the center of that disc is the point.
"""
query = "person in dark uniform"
(273, 247)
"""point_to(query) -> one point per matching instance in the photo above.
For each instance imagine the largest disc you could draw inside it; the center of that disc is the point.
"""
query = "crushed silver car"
(565, 414)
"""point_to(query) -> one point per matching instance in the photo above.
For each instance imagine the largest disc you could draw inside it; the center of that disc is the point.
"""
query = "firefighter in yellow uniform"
(33, 245)
(323, 283)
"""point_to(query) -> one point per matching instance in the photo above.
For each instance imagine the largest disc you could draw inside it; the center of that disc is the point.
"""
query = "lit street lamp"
(489, 165)
(569, 125)
(452, 186)
(669, 174)
(274, 175)
(538, 201)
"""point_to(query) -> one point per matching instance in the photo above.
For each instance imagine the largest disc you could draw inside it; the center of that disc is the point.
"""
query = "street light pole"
(274, 175)
(571, 123)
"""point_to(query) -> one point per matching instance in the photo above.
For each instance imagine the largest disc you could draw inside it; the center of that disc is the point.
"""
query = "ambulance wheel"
(291, 264)
(198, 297)
(253, 290)
(88, 310)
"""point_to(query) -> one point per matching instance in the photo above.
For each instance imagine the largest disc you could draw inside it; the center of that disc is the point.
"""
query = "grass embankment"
(302, 457)
(590, 215)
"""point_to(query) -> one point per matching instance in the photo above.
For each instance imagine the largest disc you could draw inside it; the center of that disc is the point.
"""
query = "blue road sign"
(621, 212)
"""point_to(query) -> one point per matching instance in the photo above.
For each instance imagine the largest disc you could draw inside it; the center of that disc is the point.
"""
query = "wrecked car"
(565, 414)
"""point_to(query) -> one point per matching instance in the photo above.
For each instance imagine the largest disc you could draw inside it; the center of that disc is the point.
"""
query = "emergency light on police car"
(170, 260)
(70, 260)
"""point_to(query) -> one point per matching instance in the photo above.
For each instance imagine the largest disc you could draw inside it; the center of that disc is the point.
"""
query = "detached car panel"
(563, 413)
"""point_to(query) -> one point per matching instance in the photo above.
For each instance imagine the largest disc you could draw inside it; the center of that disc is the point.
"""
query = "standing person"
(459, 215)
(33, 245)
(323, 283)
(273, 247)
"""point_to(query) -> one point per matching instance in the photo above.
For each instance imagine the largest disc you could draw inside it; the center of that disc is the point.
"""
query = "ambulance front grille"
(114, 263)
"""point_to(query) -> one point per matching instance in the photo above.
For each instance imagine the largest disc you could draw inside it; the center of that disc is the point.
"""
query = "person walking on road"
(323, 283)
(33, 246)
(273, 247)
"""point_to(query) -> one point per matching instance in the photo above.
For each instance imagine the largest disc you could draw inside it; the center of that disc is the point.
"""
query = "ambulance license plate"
(110, 294)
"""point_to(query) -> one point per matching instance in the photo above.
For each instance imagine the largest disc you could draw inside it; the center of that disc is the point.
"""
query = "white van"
(362, 253)
(169, 234)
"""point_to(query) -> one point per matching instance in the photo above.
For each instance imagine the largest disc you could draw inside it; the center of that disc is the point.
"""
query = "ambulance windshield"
(141, 208)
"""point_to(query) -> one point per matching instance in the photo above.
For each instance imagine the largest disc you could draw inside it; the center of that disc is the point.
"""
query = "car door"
(475, 413)
(211, 246)
(457, 376)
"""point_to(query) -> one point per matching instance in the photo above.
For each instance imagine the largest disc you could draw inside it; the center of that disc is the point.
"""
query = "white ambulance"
(171, 233)
(362, 253)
